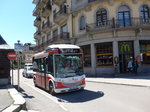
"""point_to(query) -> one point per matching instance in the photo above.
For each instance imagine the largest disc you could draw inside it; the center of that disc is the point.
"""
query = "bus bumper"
(75, 88)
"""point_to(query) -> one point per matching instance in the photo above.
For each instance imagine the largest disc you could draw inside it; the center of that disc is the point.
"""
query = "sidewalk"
(5, 99)
(11, 100)
(142, 81)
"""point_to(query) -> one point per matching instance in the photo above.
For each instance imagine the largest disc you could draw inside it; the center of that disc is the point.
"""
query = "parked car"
(28, 65)
(28, 72)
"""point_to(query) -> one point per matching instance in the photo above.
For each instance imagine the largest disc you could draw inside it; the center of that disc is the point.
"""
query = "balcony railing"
(46, 11)
(35, 1)
(37, 34)
(36, 11)
(41, 4)
(62, 36)
(45, 1)
(47, 27)
(119, 24)
(58, 2)
(37, 21)
(61, 15)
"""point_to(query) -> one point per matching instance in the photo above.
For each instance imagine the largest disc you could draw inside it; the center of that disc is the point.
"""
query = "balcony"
(58, 2)
(37, 22)
(46, 28)
(61, 16)
(36, 11)
(61, 38)
(110, 25)
(45, 1)
(41, 4)
(35, 1)
(37, 34)
(92, 1)
(46, 11)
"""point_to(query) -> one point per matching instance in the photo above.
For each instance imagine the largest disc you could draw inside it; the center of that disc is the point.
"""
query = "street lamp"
(18, 60)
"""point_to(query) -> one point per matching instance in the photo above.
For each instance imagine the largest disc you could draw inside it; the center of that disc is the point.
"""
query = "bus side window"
(42, 65)
(50, 64)
(35, 65)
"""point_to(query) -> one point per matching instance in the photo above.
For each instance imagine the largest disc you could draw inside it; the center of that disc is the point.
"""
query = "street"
(95, 98)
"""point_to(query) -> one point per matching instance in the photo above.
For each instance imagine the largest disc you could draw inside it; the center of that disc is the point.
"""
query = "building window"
(104, 53)
(55, 33)
(101, 17)
(64, 28)
(144, 14)
(124, 18)
(82, 23)
(87, 55)
(145, 51)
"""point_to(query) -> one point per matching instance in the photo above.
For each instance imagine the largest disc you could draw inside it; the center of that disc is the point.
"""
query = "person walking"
(130, 63)
(135, 66)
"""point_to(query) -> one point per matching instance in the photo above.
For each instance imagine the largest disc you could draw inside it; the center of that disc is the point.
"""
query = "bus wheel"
(34, 80)
(51, 89)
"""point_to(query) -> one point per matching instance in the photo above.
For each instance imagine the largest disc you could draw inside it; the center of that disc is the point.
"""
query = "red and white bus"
(59, 68)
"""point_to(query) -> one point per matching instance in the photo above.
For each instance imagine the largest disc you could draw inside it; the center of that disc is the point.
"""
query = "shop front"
(108, 58)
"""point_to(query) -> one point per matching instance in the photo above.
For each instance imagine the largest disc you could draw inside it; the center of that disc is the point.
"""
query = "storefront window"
(145, 51)
(87, 55)
(104, 53)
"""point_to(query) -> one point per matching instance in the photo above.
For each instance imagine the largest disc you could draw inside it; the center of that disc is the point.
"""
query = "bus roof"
(63, 46)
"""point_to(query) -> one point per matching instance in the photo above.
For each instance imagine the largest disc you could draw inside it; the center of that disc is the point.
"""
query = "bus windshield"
(68, 65)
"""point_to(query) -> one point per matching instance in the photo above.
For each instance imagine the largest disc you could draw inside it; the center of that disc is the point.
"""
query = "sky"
(16, 21)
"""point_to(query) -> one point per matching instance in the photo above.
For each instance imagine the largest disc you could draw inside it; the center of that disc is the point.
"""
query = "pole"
(12, 73)
(18, 59)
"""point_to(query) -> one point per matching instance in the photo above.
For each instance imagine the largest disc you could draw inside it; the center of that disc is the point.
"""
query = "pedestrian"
(135, 66)
(130, 63)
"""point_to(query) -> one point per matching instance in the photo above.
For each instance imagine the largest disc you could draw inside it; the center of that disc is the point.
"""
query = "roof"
(2, 41)
(63, 46)
(3, 44)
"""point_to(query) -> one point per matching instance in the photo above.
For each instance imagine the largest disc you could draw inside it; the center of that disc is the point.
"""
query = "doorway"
(126, 51)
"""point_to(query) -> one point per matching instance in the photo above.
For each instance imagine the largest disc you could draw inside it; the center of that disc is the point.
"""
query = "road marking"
(47, 95)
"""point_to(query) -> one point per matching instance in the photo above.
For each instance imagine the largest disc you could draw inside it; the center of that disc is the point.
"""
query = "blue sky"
(16, 21)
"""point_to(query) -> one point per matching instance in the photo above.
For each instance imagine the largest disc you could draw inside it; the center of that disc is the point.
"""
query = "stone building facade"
(109, 32)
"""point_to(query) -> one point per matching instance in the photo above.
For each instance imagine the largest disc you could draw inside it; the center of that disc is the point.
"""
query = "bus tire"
(51, 88)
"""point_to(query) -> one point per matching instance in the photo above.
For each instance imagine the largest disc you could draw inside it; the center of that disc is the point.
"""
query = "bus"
(59, 68)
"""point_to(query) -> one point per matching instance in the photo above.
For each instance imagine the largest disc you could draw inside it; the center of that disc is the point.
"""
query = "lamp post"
(18, 61)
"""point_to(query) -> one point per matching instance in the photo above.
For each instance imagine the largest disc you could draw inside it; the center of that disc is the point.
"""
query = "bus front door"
(43, 78)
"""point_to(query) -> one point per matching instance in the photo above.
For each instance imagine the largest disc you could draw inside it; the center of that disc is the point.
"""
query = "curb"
(19, 102)
(136, 85)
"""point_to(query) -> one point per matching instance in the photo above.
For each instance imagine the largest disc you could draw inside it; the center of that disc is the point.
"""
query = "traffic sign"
(18, 47)
(12, 56)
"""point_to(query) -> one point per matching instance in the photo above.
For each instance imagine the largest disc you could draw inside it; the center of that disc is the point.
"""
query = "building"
(110, 32)
(27, 53)
(4, 62)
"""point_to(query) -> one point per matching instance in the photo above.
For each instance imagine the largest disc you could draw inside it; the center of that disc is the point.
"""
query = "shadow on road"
(22, 91)
(79, 96)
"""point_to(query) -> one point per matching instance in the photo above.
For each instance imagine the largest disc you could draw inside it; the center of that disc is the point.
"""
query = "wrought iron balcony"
(120, 24)
(61, 15)
(46, 28)
(37, 34)
(36, 11)
(37, 21)
(35, 1)
(46, 11)
(61, 38)
(45, 1)
(90, 1)
(41, 4)
(58, 2)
